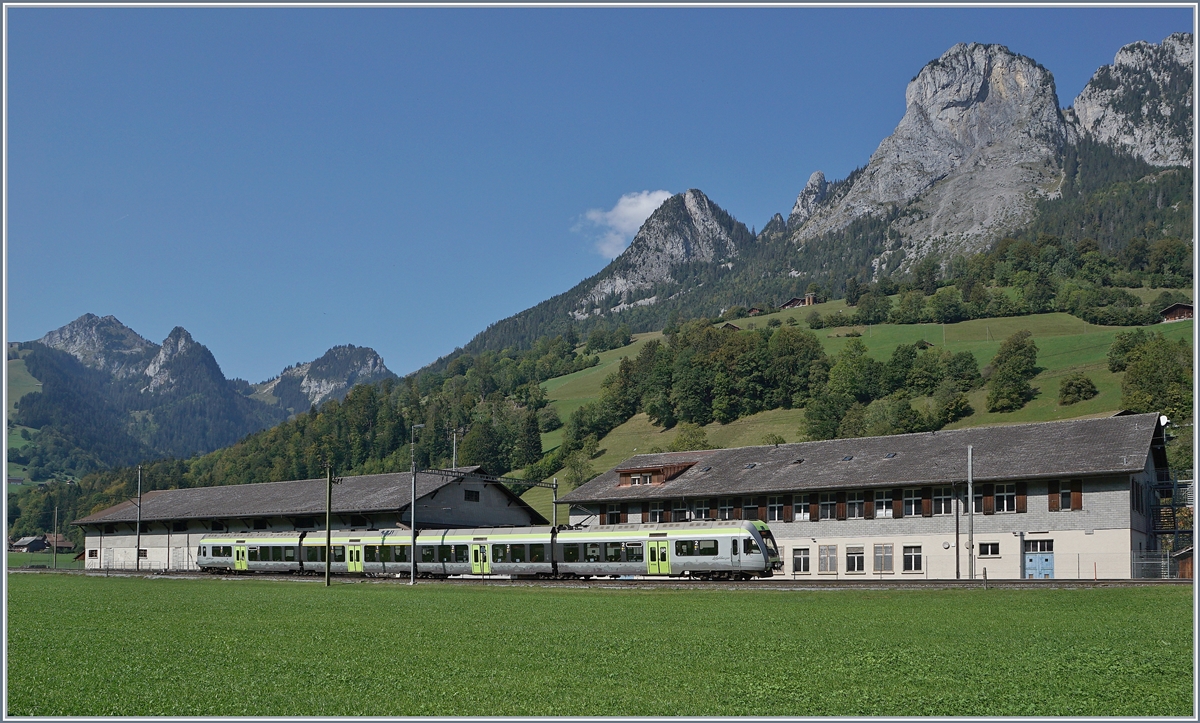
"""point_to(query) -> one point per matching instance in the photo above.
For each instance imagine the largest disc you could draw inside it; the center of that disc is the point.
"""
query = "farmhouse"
(1176, 312)
(795, 302)
(174, 521)
(1053, 500)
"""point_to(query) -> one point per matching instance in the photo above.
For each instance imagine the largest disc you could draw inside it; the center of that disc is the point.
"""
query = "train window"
(685, 547)
(750, 547)
(612, 552)
(339, 553)
(633, 552)
(226, 551)
(571, 553)
(401, 553)
(369, 553)
(537, 553)
(200, 551)
(460, 554)
(516, 553)
(254, 554)
(289, 554)
(277, 554)
(734, 547)
(707, 547)
(592, 552)
(426, 553)
(654, 553)
(498, 553)
(445, 553)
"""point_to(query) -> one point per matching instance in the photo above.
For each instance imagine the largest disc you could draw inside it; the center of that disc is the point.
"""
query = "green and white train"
(709, 550)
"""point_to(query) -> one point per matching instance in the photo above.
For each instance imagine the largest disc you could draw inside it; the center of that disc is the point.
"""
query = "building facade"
(174, 521)
(1053, 500)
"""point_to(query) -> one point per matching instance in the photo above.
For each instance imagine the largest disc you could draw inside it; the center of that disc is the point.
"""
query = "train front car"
(770, 549)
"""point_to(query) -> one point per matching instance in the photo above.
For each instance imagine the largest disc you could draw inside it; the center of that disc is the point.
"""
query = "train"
(707, 550)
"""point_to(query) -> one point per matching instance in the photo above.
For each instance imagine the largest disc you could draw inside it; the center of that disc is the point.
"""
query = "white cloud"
(620, 224)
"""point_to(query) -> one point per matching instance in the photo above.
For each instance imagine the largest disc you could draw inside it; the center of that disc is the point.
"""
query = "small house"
(30, 544)
(1184, 559)
(1177, 312)
(731, 326)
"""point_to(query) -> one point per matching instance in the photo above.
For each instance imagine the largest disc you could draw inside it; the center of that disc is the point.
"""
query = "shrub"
(1075, 387)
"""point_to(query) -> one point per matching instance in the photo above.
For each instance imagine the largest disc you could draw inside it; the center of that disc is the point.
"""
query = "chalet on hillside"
(810, 299)
(1177, 312)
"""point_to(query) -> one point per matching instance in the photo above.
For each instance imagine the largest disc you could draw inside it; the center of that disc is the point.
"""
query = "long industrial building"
(1071, 499)
(174, 521)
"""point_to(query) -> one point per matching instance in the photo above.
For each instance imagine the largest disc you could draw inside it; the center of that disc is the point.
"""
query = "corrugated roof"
(360, 494)
(1082, 447)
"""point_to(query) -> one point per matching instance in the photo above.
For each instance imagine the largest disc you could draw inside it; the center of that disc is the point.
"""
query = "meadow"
(91, 646)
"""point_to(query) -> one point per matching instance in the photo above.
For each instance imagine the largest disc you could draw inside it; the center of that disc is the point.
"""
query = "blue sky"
(278, 181)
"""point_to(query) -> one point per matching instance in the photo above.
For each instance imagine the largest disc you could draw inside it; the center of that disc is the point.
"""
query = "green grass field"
(93, 646)
(66, 560)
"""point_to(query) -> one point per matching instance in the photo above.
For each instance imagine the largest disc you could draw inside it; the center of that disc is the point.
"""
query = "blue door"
(1039, 565)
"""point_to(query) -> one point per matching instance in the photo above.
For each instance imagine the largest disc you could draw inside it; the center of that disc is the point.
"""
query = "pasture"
(92, 646)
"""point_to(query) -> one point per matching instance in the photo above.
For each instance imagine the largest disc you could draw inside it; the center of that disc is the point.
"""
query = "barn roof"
(359, 494)
(1082, 447)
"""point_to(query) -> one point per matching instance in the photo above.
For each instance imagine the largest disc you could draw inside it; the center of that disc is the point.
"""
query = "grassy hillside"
(20, 383)
(1065, 344)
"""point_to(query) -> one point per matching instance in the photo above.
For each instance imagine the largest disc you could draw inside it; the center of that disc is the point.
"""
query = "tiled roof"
(362, 494)
(1082, 447)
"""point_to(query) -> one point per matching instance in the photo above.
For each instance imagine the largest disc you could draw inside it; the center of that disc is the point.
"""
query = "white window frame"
(883, 504)
(1007, 492)
(827, 505)
(989, 549)
(800, 554)
(912, 558)
(912, 502)
(800, 509)
(883, 558)
(943, 501)
(775, 509)
(855, 504)
(680, 511)
(656, 511)
(725, 508)
(827, 554)
(856, 558)
(613, 509)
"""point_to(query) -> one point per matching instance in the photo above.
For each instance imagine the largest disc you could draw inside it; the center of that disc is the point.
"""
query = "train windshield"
(769, 541)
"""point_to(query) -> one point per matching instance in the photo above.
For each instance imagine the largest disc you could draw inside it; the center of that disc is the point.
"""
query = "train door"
(354, 558)
(479, 560)
(239, 557)
(658, 560)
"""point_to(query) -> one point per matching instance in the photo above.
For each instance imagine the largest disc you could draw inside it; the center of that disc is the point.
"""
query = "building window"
(1065, 498)
(305, 522)
(989, 549)
(471, 495)
(912, 558)
(110, 529)
(614, 515)
(827, 558)
(142, 552)
(260, 524)
(700, 510)
(979, 500)
(943, 499)
(828, 505)
(800, 560)
(218, 525)
(679, 511)
(1006, 498)
(749, 509)
(656, 511)
(912, 503)
(1039, 546)
(854, 559)
(179, 526)
(883, 558)
(800, 509)
(93, 554)
(725, 509)
(775, 509)
(883, 503)
(855, 501)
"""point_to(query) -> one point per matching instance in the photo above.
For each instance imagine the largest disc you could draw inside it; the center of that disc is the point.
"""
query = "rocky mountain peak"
(177, 343)
(102, 343)
(330, 376)
(687, 227)
(979, 141)
(1143, 101)
(806, 203)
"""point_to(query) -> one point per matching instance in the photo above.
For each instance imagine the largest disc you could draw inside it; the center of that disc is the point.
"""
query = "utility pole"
(54, 545)
(554, 514)
(957, 545)
(137, 550)
(454, 449)
(330, 481)
(412, 505)
(970, 516)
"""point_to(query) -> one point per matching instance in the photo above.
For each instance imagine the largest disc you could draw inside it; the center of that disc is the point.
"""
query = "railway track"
(774, 583)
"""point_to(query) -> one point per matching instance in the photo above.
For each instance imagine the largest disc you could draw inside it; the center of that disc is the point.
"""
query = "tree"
(925, 275)
(1011, 369)
(1123, 343)
(873, 308)
(1075, 387)
(854, 291)
(690, 437)
(1018, 352)
(773, 439)
(1158, 378)
(910, 310)
(946, 306)
(823, 415)
(577, 469)
(854, 374)
(529, 445)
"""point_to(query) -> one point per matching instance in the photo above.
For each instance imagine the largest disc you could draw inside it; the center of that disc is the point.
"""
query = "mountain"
(329, 377)
(111, 397)
(1142, 102)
